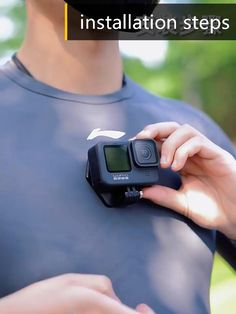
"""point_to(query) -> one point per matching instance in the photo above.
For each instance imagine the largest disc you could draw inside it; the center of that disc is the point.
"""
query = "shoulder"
(6, 87)
(4, 80)
(9, 90)
(7, 82)
(165, 109)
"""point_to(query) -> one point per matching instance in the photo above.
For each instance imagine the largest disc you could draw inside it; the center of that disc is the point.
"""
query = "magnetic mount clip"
(132, 195)
(118, 171)
(116, 198)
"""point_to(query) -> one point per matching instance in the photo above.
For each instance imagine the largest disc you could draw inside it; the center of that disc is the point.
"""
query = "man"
(52, 223)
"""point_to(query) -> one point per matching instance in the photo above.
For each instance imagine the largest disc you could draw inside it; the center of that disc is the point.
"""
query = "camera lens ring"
(146, 152)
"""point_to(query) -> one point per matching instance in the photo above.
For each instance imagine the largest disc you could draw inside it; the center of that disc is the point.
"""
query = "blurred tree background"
(200, 73)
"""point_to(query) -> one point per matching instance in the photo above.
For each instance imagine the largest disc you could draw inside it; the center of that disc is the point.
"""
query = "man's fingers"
(158, 131)
(144, 309)
(108, 306)
(188, 149)
(179, 143)
(197, 145)
(174, 141)
(173, 136)
(99, 283)
(167, 197)
(90, 301)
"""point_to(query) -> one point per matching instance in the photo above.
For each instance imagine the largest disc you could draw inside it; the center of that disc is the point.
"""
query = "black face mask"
(113, 8)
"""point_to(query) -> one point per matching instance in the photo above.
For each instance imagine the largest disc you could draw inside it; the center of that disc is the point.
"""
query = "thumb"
(144, 309)
(167, 197)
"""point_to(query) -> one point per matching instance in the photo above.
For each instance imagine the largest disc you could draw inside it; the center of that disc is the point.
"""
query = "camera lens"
(145, 153)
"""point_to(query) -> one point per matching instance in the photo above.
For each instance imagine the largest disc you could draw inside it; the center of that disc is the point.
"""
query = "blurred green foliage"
(200, 73)
(17, 15)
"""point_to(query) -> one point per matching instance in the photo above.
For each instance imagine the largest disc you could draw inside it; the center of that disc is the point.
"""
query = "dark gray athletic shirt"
(51, 222)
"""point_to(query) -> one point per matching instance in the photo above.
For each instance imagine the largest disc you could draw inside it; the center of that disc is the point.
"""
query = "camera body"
(115, 166)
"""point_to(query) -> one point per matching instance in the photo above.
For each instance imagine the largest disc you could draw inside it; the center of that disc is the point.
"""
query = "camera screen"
(117, 158)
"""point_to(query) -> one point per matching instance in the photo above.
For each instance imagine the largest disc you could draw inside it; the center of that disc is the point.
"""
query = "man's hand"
(208, 192)
(68, 294)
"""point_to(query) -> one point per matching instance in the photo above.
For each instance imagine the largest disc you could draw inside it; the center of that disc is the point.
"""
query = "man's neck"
(85, 67)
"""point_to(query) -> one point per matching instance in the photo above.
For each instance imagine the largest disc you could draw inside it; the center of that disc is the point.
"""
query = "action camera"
(118, 171)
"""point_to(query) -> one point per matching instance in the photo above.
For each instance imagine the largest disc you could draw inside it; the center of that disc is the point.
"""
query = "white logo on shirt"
(106, 133)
